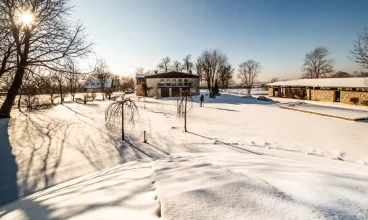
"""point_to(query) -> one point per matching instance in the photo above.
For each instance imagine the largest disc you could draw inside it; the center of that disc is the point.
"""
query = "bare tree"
(341, 74)
(60, 79)
(102, 75)
(275, 79)
(360, 50)
(199, 70)
(209, 64)
(43, 36)
(165, 64)
(226, 74)
(177, 66)
(7, 51)
(248, 72)
(127, 82)
(183, 106)
(73, 77)
(139, 70)
(360, 74)
(187, 64)
(149, 71)
(316, 64)
(118, 112)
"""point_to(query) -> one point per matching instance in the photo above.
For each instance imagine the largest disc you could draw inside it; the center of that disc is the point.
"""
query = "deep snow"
(52, 146)
(248, 186)
(121, 192)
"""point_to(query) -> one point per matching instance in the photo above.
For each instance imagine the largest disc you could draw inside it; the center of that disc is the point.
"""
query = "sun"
(25, 18)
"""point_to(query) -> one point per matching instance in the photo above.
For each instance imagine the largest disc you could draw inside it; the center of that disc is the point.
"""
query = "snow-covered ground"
(67, 141)
(248, 186)
(204, 186)
(121, 192)
(331, 110)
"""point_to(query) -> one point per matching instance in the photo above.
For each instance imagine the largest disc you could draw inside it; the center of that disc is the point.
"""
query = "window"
(185, 80)
(180, 80)
(354, 89)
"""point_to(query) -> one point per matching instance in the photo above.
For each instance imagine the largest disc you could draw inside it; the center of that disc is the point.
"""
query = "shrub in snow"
(247, 97)
(93, 95)
(354, 100)
(364, 102)
(120, 111)
(86, 98)
(264, 98)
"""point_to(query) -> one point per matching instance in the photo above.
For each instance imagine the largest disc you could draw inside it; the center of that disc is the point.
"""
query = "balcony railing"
(174, 84)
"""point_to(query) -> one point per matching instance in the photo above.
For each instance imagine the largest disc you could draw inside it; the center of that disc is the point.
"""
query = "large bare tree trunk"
(13, 90)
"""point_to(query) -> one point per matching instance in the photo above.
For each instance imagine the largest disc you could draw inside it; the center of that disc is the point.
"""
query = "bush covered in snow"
(264, 98)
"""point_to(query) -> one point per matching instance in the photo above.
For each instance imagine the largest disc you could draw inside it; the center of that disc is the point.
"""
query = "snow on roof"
(140, 75)
(172, 74)
(325, 82)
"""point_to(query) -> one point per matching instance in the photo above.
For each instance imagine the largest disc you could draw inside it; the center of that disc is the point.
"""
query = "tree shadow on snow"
(8, 166)
(236, 100)
(46, 204)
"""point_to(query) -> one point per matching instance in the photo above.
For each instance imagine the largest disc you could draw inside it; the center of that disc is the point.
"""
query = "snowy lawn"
(251, 124)
(48, 147)
(248, 186)
(203, 186)
(332, 110)
(121, 192)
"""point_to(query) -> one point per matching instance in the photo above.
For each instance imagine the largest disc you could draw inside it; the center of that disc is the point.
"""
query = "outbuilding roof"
(172, 74)
(325, 82)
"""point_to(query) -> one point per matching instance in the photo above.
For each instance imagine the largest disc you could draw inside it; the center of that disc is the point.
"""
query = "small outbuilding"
(345, 90)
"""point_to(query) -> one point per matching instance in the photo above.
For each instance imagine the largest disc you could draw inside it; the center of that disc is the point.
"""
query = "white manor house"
(169, 84)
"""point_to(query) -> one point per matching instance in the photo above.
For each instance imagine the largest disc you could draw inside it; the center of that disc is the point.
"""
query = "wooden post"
(185, 112)
(122, 122)
(144, 137)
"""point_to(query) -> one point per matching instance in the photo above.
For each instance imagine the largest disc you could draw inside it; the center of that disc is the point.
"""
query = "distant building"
(168, 84)
(94, 85)
(345, 90)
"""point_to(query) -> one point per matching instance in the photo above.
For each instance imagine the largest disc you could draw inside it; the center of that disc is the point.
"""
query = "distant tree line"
(213, 68)
(317, 63)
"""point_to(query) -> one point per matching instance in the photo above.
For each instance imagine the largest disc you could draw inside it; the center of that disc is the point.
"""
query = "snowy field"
(332, 110)
(203, 186)
(276, 148)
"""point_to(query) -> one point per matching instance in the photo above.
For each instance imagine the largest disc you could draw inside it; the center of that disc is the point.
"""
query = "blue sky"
(278, 33)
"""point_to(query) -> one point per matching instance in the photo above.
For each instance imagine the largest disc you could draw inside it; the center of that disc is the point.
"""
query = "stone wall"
(323, 95)
(346, 95)
(270, 91)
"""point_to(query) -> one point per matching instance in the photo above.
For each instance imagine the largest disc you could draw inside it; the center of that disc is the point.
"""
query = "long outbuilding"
(344, 90)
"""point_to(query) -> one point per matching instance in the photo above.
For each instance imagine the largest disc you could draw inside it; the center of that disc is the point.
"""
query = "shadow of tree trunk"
(8, 167)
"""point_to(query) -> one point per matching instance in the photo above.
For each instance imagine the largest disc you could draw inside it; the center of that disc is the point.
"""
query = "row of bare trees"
(214, 70)
(37, 37)
(317, 63)
(166, 65)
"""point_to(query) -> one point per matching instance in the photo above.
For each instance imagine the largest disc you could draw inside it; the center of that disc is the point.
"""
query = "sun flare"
(25, 18)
